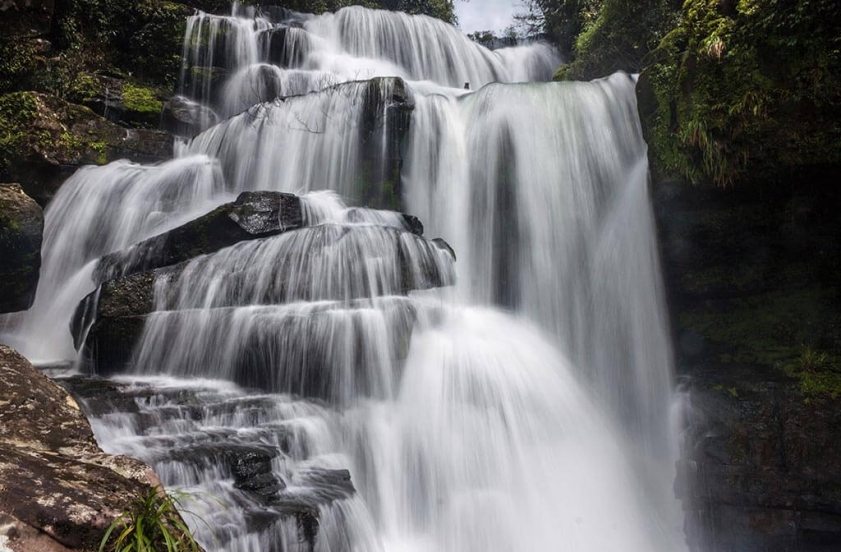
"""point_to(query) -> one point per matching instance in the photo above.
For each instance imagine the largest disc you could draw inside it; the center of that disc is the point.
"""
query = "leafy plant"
(818, 372)
(151, 524)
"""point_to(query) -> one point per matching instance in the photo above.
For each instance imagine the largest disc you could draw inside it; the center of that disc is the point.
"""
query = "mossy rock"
(44, 139)
(141, 104)
(21, 229)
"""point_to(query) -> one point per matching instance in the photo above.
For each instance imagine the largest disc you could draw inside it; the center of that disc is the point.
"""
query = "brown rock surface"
(58, 489)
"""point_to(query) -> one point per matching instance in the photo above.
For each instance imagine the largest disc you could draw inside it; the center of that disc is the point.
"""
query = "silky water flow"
(525, 406)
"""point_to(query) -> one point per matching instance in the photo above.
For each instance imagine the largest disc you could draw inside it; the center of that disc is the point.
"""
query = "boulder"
(21, 228)
(51, 138)
(443, 245)
(60, 490)
(184, 117)
(253, 215)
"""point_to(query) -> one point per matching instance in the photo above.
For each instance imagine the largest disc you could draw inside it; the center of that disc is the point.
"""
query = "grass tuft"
(151, 524)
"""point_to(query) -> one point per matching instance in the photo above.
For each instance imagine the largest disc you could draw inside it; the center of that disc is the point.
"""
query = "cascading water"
(525, 409)
(101, 210)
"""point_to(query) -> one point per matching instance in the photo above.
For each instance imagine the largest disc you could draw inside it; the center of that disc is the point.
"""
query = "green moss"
(141, 100)
(84, 88)
(101, 149)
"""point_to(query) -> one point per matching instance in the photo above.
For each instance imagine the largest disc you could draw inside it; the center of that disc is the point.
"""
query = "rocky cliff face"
(58, 490)
(21, 227)
(754, 291)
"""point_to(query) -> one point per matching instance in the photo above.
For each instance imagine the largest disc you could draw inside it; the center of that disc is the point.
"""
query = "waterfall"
(387, 397)
(101, 210)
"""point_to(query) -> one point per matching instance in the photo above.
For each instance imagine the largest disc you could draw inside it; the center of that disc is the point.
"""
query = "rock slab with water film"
(336, 264)
(253, 215)
(272, 483)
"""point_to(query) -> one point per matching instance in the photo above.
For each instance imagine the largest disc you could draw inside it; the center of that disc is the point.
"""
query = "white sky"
(485, 15)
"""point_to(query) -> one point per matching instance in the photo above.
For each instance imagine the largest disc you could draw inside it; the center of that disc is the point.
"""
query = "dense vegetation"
(732, 90)
(747, 90)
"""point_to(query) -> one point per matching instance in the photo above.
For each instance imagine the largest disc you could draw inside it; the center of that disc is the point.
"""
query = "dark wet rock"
(250, 466)
(184, 117)
(253, 215)
(21, 229)
(413, 224)
(56, 481)
(321, 486)
(253, 473)
(110, 320)
(328, 485)
(110, 396)
(387, 110)
(287, 47)
(441, 244)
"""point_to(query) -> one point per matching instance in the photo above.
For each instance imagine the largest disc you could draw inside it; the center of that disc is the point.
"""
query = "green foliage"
(747, 90)
(441, 9)
(612, 35)
(151, 524)
(101, 149)
(63, 75)
(141, 38)
(731, 90)
(18, 59)
(818, 371)
(17, 111)
(561, 21)
(84, 88)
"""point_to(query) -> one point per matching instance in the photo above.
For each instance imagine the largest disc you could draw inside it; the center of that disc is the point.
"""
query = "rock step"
(253, 215)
